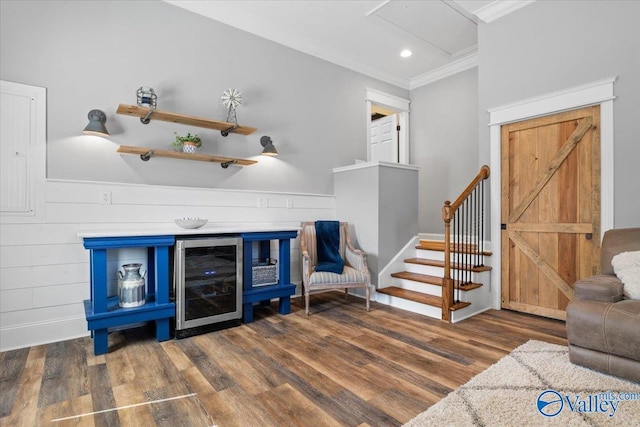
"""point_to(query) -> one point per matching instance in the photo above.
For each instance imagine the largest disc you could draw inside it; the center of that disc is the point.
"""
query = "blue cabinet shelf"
(118, 316)
(284, 288)
(102, 312)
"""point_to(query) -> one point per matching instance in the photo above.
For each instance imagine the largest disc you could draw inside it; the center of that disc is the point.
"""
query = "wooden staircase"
(423, 278)
(448, 274)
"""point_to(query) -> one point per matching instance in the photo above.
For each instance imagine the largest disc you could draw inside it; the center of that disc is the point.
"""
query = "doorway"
(600, 93)
(383, 142)
(388, 142)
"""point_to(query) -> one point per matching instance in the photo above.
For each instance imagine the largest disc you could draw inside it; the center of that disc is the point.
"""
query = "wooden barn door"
(550, 209)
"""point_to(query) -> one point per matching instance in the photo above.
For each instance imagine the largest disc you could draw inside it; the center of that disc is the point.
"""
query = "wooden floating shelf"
(153, 152)
(134, 110)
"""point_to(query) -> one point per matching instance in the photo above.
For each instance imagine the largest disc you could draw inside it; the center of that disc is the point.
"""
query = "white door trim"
(599, 92)
(396, 103)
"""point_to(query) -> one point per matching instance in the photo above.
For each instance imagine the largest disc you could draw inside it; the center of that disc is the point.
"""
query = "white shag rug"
(537, 374)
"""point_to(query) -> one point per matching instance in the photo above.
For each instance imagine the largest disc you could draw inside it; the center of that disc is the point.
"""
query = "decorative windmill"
(231, 98)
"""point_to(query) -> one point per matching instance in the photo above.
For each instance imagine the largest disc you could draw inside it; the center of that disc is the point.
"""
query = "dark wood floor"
(340, 366)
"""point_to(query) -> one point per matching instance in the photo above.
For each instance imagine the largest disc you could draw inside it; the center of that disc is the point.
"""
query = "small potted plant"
(187, 143)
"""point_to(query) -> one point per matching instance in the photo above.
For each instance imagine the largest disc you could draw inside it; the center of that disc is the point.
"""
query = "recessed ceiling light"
(406, 53)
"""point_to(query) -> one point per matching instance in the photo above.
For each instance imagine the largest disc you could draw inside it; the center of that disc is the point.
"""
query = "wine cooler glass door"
(211, 286)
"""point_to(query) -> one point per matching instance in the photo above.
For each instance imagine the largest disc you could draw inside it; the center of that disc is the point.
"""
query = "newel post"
(447, 283)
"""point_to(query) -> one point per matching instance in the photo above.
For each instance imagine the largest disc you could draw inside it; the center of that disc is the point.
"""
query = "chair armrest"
(602, 288)
(356, 258)
(306, 267)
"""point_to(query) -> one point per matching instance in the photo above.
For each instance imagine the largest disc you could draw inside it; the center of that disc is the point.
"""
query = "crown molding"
(445, 71)
(499, 8)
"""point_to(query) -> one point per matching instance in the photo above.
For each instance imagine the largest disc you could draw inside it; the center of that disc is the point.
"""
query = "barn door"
(550, 209)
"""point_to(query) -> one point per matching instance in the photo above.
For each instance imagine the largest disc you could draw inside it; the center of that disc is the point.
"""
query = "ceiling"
(367, 36)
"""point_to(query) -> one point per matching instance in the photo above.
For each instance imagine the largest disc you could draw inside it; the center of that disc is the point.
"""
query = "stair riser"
(427, 254)
(481, 277)
(439, 256)
(439, 271)
(412, 306)
(424, 269)
(411, 285)
(434, 270)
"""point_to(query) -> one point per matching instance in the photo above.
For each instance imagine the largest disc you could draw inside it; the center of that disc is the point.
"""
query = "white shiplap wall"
(44, 269)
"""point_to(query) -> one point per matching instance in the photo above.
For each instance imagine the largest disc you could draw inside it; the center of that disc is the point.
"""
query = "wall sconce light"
(96, 125)
(269, 149)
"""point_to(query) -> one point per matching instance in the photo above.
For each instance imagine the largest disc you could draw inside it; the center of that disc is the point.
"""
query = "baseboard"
(456, 319)
(42, 333)
(397, 261)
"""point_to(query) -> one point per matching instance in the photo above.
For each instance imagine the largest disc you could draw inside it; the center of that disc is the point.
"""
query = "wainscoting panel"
(44, 273)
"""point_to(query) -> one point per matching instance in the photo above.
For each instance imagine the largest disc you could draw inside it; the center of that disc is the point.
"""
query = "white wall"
(44, 274)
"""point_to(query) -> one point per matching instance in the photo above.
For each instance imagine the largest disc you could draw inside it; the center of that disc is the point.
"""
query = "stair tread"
(433, 280)
(460, 305)
(417, 277)
(457, 266)
(412, 296)
(427, 299)
(438, 245)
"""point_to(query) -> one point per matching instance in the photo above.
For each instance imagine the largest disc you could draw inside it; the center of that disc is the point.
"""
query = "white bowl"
(191, 222)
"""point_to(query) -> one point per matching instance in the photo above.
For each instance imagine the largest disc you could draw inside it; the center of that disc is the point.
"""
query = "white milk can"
(131, 286)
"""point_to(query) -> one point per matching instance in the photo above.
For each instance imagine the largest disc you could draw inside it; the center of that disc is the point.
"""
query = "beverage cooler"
(207, 285)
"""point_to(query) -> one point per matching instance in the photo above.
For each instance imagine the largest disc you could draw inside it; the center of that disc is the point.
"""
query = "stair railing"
(464, 226)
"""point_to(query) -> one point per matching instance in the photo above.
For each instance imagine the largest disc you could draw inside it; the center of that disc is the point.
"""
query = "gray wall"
(380, 201)
(312, 109)
(444, 142)
(549, 46)
(398, 210)
(95, 54)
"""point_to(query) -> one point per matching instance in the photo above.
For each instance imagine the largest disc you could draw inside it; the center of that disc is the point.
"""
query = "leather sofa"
(603, 328)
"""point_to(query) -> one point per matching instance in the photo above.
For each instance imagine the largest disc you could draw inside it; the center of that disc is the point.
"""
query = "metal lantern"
(146, 97)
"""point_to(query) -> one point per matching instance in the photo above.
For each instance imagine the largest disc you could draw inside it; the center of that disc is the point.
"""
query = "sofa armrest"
(602, 288)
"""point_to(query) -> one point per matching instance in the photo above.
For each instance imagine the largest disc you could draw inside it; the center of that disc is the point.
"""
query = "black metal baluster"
(482, 224)
(459, 237)
(468, 233)
(455, 252)
(472, 237)
(476, 233)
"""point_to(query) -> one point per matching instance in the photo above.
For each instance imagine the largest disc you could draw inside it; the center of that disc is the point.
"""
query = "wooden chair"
(355, 273)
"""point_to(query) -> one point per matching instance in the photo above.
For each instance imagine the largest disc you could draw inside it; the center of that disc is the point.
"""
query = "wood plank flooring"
(341, 366)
